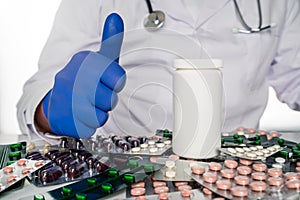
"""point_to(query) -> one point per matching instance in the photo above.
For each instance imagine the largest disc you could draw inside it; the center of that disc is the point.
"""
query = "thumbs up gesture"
(86, 88)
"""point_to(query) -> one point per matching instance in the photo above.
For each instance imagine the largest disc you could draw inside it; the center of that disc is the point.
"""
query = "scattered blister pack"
(245, 179)
(67, 165)
(109, 182)
(17, 171)
(9, 154)
(151, 189)
(173, 170)
(253, 152)
(128, 145)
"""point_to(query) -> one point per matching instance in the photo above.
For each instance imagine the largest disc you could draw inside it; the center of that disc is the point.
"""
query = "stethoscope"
(155, 20)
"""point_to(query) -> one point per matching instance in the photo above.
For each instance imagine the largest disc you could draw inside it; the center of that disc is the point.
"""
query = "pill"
(210, 177)
(125, 146)
(50, 174)
(11, 179)
(291, 176)
(231, 164)
(8, 170)
(160, 145)
(159, 183)
(293, 184)
(225, 134)
(136, 149)
(84, 155)
(167, 142)
(280, 160)
(259, 176)
(140, 184)
(207, 191)
(265, 151)
(134, 142)
(163, 196)
(245, 161)
(240, 132)
(262, 132)
(242, 180)
(251, 155)
(213, 166)
(240, 150)
(151, 143)
(227, 173)
(161, 189)
(274, 172)
(275, 181)
(223, 184)
(253, 148)
(259, 147)
(274, 134)
(170, 164)
(258, 186)
(259, 153)
(173, 157)
(179, 183)
(197, 169)
(239, 191)
(271, 149)
(26, 170)
(184, 187)
(244, 170)
(153, 149)
(246, 149)
(259, 167)
(170, 174)
(144, 146)
(297, 169)
(276, 165)
(231, 150)
(185, 193)
(22, 162)
(137, 191)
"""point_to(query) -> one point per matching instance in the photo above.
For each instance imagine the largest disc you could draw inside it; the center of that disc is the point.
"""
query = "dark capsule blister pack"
(106, 183)
(245, 179)
(17, 171)
(128, 145)
(67, 165)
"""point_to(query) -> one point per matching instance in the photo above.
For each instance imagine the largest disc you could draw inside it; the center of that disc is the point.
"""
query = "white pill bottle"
(197, 107)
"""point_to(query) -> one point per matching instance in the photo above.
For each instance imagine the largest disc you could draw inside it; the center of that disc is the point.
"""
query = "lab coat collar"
(180, 12)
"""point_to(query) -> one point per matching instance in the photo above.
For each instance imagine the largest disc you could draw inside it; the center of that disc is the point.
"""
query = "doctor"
(126, 86)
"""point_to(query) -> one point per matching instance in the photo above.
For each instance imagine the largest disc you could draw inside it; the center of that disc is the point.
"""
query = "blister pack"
(245, 179)
(67, 165)
(17, 171)
(108, 182)
(128, 145)
(9, 154)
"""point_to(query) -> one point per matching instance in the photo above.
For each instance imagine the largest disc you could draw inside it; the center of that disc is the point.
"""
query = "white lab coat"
(252, 62)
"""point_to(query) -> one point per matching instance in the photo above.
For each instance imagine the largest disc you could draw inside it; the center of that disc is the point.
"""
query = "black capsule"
(49, 153)
(99, 166)
(134, 142)
(75, 171)
(64, 142)
(84, 155)
(50, 175)
(143, 139)
(68, 163)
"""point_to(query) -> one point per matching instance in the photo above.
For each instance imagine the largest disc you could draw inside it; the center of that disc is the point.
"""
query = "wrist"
(40, 116)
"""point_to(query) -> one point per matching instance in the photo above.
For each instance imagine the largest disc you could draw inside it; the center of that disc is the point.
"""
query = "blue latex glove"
(85, 89)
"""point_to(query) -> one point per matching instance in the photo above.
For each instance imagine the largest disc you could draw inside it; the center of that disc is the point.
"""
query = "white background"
(24, 29)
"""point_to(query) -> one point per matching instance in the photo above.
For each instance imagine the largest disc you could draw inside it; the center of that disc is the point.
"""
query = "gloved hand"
(85, 89)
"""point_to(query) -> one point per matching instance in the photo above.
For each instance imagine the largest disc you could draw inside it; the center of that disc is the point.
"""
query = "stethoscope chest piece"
(154, 20)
